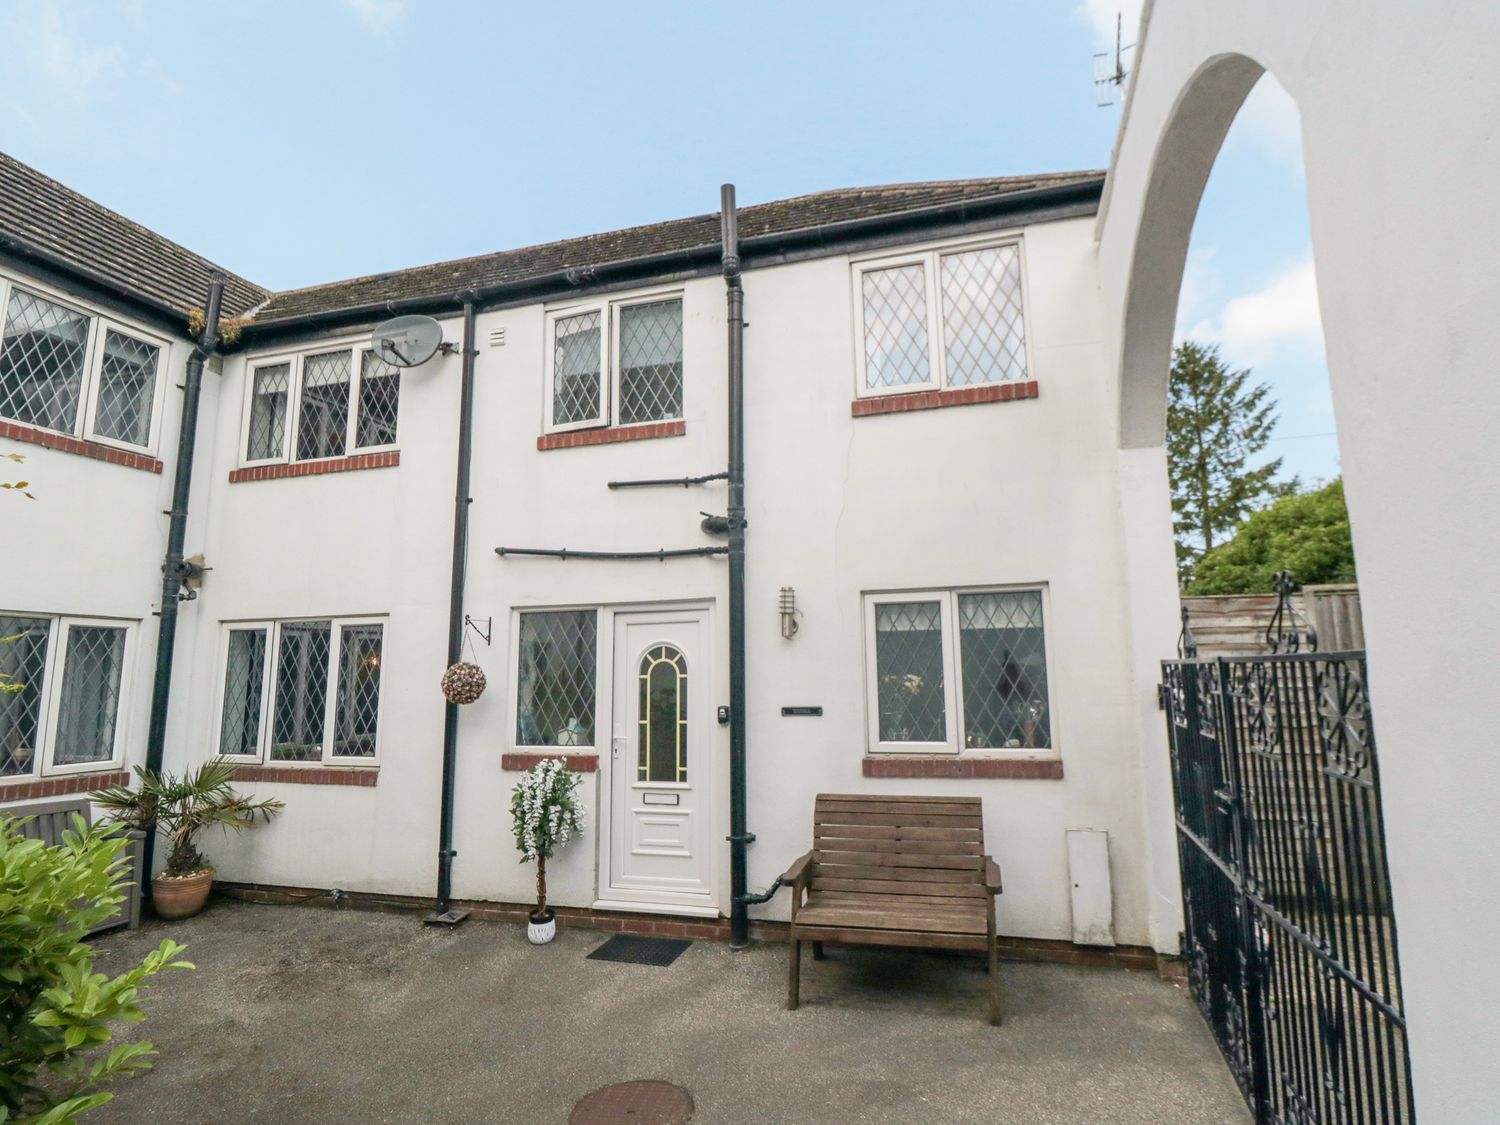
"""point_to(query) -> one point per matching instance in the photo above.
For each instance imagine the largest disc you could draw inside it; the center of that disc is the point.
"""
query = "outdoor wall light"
(788, 603)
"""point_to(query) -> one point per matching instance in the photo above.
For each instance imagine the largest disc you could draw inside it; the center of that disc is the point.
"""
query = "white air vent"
(497, 337)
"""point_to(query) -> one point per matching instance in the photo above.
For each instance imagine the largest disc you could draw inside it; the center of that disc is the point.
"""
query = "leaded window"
(651, 361)
(323, 418)
(379, 398)
(577, 375)
(43, 358)
(127, 388)
(244, 686)
(662, 734)
(358, 713)
(557, 662)
(959, 670)
(319, 701)
(23, 669)
(271, 386)
(942, 319)
(615, 364)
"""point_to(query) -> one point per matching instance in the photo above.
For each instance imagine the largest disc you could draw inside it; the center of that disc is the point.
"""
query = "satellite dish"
(407, 341)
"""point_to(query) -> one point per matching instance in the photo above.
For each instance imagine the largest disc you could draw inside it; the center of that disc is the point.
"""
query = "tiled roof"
(80, 232)
(56, 219)
(802, 212)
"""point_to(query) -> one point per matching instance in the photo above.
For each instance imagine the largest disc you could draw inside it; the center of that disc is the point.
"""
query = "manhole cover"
(639, 1103)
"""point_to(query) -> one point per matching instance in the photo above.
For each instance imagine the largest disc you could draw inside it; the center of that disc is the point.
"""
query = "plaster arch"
(1398, 106)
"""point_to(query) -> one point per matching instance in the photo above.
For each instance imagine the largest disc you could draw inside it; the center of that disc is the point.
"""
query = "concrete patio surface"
(301, 1014)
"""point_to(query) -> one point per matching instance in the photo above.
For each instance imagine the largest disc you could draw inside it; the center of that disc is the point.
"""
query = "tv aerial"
(409, 341)
(1110, 74)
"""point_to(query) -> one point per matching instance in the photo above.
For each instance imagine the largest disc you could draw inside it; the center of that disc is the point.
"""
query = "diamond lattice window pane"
(662, 728)
(23, 663)
(379, 398)
(323, 421)
(301, 692)
(127, 388)
(358, 713)
(895, 304)
(90, 695)
(576, 374)
(651, 362)
(41, 362)
(239, 727)
(984, 329)
(909, 672)
(1003, 656)
(268, 412)
(558, 656)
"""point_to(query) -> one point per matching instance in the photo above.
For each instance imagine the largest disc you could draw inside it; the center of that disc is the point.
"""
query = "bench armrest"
(991, 876)
(797, 872)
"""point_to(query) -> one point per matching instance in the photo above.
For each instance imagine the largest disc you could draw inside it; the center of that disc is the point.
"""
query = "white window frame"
(88, 387)
(53, 669)
(931, 259)
(947, 597)
(295, 360)
(269, 667)
(513, 681)
(609, 357)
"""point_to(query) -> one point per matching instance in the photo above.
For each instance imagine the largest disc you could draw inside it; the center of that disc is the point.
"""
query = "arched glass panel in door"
(662, 743)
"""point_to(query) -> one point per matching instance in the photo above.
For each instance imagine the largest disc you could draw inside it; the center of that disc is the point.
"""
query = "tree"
(1215, 425)
(1307, 534)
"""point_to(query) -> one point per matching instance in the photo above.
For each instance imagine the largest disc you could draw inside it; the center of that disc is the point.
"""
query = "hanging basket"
(463, 682)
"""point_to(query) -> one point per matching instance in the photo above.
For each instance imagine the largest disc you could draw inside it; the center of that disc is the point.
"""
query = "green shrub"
(55, 1010)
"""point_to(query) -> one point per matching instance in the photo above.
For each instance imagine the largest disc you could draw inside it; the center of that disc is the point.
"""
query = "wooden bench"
(895, 871)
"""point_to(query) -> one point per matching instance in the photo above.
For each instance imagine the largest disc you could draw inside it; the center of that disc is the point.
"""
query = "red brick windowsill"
(935, 766)
(25, 788)
(932, 400)
(310, 775)
(524, 760)
(608, 434)
(386, 460)
(65, 444)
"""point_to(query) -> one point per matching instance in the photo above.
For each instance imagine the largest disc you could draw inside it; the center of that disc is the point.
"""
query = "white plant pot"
(540, 933)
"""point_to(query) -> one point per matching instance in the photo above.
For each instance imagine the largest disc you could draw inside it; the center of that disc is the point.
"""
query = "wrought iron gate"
(1289, 933)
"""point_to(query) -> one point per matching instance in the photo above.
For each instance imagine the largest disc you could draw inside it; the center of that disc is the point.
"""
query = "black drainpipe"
(442, 911)
(174, 571)
(739, 835)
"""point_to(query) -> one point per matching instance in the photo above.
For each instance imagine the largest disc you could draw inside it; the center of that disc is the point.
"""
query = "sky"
(301, 141)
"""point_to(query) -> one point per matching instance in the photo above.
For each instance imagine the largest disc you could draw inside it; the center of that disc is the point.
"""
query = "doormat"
(632, 950)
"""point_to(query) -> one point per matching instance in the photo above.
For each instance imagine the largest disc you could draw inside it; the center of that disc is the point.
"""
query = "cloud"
(1253, 327)
(53, 60)
(1101, 15)
(378, 16)
(1270, 121)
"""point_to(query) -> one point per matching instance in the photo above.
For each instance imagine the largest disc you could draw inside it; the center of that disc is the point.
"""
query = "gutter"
(763, 249)
(174, 569)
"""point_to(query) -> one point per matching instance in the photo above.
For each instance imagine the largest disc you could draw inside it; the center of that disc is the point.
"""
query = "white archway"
(1398, 105)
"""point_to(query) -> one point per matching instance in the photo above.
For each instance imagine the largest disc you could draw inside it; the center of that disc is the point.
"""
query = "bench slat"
(903, 874)
(898, 887)
(835, 843)
(908, 939)
(894, 900)
(832, 810)
(898, 859)
(925, 917)
(903, 820)
(893, 832)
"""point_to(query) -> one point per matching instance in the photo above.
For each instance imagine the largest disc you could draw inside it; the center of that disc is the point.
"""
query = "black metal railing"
(1289, 930)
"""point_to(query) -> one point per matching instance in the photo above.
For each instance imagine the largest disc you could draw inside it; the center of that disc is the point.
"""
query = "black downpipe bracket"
(442, 911)
(174, 570)
(739, 835)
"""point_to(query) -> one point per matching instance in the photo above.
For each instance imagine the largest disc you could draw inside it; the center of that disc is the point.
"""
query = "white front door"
(660, 837)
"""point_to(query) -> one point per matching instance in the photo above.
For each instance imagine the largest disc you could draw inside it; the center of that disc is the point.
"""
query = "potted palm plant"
(180, 808)
(544, 810)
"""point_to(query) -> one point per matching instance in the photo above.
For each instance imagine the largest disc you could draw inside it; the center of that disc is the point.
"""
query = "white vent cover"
(497, 337)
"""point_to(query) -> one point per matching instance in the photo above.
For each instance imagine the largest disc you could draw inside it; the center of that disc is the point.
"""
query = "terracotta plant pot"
(541, 928)
(180, 896)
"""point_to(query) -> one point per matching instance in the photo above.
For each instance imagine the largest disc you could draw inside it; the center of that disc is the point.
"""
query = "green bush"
(55, 1010)
(1307, 534)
